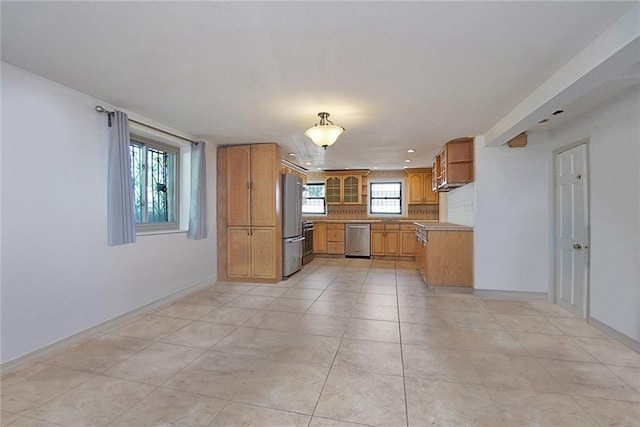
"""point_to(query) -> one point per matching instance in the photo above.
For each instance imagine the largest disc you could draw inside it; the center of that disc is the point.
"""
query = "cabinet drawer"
(377, 226)
(392, 227)
(335, 248)
(406, 227)
(335, 235)
(335, 226)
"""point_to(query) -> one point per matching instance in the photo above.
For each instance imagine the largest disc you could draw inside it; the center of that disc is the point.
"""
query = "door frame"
(553, 296)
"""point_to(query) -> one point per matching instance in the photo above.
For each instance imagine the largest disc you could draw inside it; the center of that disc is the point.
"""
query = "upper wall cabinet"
(420, 191)
(344, 187)
(252, 172)
(454, 165)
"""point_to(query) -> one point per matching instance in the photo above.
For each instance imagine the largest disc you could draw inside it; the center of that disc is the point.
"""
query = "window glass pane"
(154, 175)
(385, 206)
(159, 199)
(315, 190)
(313, 201)
(386, 198)
(138, 178)
(313, 206)
(391, 189)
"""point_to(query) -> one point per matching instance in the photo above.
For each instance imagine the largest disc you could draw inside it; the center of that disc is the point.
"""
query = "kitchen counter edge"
(442, 226)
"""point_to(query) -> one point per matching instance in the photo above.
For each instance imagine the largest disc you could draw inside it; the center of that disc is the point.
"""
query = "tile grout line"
(404, 377)
(330, 367)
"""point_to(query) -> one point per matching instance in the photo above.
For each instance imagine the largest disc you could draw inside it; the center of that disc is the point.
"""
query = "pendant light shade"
(324, 133)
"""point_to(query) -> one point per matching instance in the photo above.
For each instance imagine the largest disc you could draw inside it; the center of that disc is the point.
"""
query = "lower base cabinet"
(385, 239)
(320, 238)
(335, 239)
(251, 252)
(446, 259)
(407, 240)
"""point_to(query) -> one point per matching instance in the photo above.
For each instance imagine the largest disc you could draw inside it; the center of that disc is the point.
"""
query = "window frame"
(400, 198)
(324, 199)
(170, 226)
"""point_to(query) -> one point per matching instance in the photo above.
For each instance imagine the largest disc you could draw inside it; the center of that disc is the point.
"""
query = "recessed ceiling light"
(292, 154)
(319, 169)
(407, 161)
(411, 150)
(405, 167)
(308, 163)
(347, 168)
(375, 167)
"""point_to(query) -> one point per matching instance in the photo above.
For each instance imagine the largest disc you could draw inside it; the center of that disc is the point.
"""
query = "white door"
(572, 230)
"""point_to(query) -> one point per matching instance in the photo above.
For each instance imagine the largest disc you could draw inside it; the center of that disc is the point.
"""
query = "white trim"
(159, 232)
(47, 351)
(443, 290)
(618, 336)
(511, 295)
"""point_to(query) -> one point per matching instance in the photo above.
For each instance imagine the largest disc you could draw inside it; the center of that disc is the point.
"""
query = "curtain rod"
(101, 109)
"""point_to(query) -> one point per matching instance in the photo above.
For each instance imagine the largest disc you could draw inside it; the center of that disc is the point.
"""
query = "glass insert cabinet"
(343, 188)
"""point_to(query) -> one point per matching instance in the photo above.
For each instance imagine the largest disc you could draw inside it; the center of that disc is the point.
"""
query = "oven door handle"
(295, 239)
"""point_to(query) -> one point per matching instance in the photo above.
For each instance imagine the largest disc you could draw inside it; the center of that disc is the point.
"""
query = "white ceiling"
(396, 75)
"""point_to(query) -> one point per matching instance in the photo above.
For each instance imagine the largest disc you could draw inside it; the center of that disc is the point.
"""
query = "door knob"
(577, 246)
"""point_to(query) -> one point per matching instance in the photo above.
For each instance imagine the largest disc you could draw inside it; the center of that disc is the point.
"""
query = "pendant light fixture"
(324, 133)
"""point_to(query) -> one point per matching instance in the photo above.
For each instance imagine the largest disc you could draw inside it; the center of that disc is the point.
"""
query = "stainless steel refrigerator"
(291, 224)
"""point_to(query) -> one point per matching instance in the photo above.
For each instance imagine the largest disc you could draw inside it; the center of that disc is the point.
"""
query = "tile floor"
(343, 342)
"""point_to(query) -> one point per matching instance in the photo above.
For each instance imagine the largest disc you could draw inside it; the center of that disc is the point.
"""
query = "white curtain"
(121, 221)
(198, 209)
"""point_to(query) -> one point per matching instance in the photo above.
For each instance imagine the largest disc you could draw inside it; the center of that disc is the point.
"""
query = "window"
(385, 198)
(313, 201)
(154, 171)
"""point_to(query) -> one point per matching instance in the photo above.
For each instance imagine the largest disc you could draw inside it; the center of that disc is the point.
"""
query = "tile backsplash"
(350, 212)
(461, 205)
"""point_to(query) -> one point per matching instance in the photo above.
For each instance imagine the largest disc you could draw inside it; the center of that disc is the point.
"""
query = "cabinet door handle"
(248, 185)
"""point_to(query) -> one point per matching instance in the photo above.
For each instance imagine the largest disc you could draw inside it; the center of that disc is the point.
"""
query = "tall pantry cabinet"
(249, 204)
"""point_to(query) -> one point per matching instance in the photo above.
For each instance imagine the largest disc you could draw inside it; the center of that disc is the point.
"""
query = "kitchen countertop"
(371, 221)
(427, 224)
(442, 226)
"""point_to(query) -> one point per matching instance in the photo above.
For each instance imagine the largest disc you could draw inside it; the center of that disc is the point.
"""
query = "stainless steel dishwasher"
(357, 240)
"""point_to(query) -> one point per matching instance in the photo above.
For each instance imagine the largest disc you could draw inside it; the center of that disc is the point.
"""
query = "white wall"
(513, 219)
(59, 277)
(511, 230)
(614, 144)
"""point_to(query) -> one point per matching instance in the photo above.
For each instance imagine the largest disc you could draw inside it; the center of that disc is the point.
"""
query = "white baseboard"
(618, 336)
(443, 290)
(47, 351)
(511, 295)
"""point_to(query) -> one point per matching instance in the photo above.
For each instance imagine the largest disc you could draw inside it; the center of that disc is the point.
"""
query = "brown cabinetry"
(335, 239)
(320, 238)
(421, 253)
(436, 174)
(385, 239)
(249, 227)
(456, 164)
(344, 187)
(445, 258)
(407, 240)
(250, 253)
(420, 191)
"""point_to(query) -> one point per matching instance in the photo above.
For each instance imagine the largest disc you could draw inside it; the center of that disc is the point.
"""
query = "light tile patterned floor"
(341, 343)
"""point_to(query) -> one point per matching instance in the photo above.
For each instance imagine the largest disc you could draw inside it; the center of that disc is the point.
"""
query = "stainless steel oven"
(307, 249)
